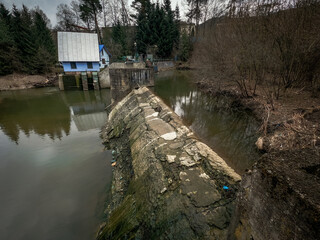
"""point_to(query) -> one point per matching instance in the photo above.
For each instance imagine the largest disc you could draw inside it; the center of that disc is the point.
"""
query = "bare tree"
(65, 17)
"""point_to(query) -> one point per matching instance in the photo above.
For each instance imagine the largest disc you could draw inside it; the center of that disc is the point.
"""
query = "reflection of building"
(50, 112)
(88, 108)
(88, 116)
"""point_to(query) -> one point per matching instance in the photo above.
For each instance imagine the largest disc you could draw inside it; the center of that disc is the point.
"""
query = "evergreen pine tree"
(177, 26)
(24, 41)
(5, 14)
(143, 36)
(5, 42)
(185, 47)
(167, 36)
(156, 26)
(138, 6)
(120, 38)
(46, 51)
(177, 13)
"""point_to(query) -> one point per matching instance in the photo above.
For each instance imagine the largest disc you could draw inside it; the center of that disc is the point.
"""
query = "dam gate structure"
(124, 80)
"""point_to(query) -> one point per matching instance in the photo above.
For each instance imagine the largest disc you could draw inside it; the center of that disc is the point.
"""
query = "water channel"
(53, 170)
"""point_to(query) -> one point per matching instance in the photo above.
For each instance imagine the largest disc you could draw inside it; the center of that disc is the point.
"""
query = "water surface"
(229, 132)
(53, 170)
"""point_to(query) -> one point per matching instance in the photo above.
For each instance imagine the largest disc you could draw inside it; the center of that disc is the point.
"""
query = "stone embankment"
(166, 183)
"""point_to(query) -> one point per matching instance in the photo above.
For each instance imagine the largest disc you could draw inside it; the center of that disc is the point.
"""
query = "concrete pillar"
(78, 80)
(84, 81)
(95, 81)
(61, 85)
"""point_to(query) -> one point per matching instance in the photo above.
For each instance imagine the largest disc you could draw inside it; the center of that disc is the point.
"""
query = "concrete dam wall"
(123, 80)
(166, 183)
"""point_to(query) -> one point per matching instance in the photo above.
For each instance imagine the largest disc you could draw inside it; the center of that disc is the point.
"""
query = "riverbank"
(22, 81)
(290, 122)
(279, 197)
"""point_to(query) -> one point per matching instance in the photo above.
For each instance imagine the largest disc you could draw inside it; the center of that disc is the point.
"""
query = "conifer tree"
(24, 41)
(177, 26)
(156, 18)
(185, 47)
(5, 14)
(139, 6)
(120, 38)
(46, 52)
(5, 42)
(156, 26)
(143, 35)
(169, 31)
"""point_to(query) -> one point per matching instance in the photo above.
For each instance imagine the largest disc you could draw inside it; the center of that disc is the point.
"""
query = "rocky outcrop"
(279, 198)
(166, 183)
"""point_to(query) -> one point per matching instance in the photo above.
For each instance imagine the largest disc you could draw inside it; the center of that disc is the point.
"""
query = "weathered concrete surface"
(279, 198)
(128, 65)
(166, 183)
(104, 75)
(104, 78)
(123, 80)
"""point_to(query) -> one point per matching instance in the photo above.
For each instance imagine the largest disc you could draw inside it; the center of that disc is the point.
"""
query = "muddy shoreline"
(22, 81)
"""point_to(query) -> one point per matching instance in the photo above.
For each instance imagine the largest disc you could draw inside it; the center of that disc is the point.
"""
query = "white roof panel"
(78, 47)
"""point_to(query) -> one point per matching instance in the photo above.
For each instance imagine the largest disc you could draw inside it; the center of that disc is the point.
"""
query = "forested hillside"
(26, 44)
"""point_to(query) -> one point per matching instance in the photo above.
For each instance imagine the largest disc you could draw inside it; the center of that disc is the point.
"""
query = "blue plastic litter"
(113, 152)
(225, 187)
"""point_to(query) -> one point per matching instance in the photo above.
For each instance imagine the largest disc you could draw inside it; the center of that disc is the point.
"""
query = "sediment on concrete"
(166, 183)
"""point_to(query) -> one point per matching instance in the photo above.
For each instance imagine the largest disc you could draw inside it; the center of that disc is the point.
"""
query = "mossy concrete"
(166, 183)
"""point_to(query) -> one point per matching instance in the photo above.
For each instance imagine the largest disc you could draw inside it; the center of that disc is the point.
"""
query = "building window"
(103, 61)
(89, 64)
(102, 52)
(73, 65)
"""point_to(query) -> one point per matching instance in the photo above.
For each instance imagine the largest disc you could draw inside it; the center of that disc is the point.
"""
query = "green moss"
(122, 221)
(117, 130)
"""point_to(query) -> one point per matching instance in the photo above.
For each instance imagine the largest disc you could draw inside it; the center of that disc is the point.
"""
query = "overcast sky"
(50, 6)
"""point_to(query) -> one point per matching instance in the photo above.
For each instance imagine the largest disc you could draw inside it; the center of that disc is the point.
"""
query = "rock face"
(166, 183)
(279, 198)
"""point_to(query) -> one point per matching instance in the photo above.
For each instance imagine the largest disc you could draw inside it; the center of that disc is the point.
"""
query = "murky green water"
(230, 133)
(53, 172)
